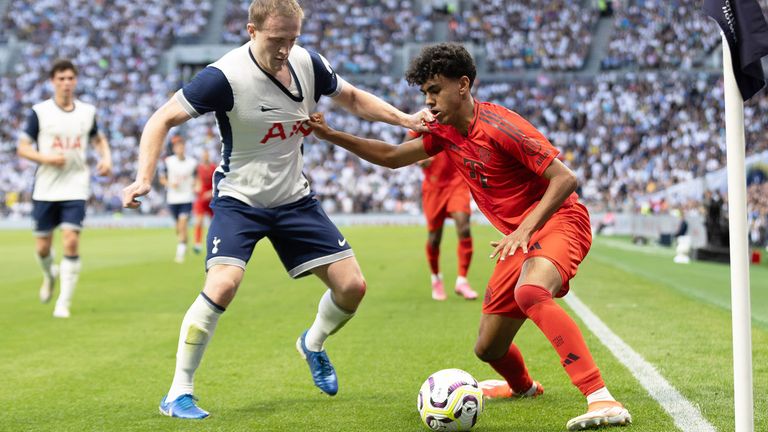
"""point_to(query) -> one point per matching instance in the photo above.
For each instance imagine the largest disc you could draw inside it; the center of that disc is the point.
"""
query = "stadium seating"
(625, 134)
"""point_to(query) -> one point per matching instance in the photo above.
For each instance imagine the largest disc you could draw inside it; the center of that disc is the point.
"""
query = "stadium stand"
(553, 35)
(626, 133)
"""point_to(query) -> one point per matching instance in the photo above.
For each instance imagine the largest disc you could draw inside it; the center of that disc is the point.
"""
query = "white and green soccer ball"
(450, 400)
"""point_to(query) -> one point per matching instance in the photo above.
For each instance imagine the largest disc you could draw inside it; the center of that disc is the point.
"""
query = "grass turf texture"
(106, 368)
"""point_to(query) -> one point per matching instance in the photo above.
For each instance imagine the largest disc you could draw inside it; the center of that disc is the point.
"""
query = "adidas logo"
(570, 358)
(534, 246)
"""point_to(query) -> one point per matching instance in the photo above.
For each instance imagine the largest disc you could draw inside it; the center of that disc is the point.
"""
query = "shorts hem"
(303, 269)
(237, 262)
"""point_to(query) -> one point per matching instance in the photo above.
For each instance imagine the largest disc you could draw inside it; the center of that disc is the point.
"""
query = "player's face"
(178, 149)
(443, 97)
(273, 42)
(64, 83)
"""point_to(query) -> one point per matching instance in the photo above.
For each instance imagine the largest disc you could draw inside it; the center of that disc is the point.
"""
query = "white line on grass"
(686, 416)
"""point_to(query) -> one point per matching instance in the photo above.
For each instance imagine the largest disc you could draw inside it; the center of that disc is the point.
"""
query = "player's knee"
(354, 287)
(222, 287)
(486, 352)
(464, 232)
(526, 296)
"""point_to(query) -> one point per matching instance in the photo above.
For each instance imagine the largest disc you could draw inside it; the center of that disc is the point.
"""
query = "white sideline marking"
(686, 416)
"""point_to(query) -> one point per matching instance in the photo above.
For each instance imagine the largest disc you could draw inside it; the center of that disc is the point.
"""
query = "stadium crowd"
(553, 35)
(626, 135)
(653, 34)
(356, 36)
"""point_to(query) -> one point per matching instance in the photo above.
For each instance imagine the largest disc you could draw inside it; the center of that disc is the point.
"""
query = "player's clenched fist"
(133, 191)
(319, 126)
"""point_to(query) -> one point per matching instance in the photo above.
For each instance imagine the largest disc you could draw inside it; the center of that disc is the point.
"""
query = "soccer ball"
(450, 400)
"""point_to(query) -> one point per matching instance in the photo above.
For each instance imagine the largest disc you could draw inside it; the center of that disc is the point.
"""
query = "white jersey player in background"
(179, 182)
(62, 127)
(262, 94)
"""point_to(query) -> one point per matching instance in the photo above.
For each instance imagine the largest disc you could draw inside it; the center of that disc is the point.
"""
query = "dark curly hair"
(450, 60)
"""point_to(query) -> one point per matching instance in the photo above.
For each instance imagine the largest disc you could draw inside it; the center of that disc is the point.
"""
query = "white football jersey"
(181, 179)
(67, 133)
(262, 123)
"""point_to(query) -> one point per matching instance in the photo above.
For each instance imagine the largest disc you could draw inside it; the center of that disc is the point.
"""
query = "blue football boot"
(182, 407)
(320, 366)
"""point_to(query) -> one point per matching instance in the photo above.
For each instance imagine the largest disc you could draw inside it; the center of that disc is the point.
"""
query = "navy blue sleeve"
(94, 130)
(209, 91)
(326, 81)
(32, 128)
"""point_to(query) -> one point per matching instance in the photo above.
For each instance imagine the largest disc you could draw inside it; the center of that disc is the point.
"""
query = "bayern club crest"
(484, 154)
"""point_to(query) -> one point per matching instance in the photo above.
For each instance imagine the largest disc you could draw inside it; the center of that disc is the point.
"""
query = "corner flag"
(744, 26)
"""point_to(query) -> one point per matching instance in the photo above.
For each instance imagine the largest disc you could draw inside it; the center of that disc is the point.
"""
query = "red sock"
(198, 234)
(512, 368)
(433, 256)
(563, 334)
(464, 252)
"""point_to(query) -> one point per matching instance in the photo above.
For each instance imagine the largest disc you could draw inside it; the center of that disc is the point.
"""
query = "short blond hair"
(260, 10)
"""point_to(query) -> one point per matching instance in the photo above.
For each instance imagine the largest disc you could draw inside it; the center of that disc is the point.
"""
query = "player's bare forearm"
(562, 183)
(101, 145)
(151, 145)
(374, 151)
(26, 150)
(370, 107)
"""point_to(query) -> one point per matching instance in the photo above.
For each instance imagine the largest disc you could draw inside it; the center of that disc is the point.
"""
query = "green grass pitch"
(106, 368)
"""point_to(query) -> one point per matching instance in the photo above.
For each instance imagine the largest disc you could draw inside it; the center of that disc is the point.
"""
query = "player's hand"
(104, 168)
(133, 191)
(417, 122)
(57, 160)
(319, 126)
(508, 245)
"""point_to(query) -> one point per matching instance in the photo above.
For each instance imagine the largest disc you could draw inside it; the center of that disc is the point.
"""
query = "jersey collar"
(300, 97)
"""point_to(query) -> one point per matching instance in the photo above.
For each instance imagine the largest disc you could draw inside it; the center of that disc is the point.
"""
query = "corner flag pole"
(741, 313)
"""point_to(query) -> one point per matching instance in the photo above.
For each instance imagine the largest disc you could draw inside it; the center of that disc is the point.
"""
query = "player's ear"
(463, 85)
(251, 28)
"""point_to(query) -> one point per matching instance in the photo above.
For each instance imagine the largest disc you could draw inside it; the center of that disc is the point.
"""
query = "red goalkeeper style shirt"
(205, 174)
(502, 159)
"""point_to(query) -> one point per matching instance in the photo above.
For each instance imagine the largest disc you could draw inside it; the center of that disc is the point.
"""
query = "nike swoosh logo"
(265, 109)
(342, 242)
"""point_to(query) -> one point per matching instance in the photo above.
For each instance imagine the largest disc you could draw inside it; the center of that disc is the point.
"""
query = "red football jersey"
(502, 158)
(205, 175)
(440, 173)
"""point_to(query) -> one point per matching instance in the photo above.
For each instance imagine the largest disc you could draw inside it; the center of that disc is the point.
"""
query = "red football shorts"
(439, 203)
(202, 207)
(564, 240)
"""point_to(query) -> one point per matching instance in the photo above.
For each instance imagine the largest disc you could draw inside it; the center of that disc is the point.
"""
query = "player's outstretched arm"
(370, 107)
(169, 115)
(374, 151)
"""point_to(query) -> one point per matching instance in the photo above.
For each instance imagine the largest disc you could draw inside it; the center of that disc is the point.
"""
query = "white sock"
(531, 391)
(437, 277)
(46, 263)
(196, 331)
(330, 318)
(69, 272)
(600, 395)
(181, 249)
(461, 280)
